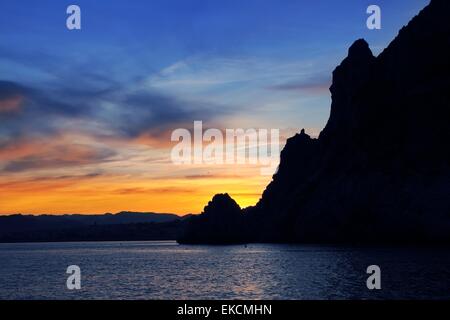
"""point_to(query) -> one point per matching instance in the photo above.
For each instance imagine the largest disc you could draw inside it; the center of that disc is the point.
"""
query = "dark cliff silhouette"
(380, 169)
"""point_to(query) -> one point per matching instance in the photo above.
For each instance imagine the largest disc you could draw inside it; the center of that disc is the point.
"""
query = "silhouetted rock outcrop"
(380, 169)
(220, 222)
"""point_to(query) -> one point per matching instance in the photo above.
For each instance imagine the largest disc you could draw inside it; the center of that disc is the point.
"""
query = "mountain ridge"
(26, 223)
(122, 226)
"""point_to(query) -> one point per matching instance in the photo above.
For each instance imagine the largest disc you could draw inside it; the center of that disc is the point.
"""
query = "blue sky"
(246, 46)
(140, 69)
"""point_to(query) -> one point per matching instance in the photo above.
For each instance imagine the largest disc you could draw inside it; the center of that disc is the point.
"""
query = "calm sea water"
(165, 270)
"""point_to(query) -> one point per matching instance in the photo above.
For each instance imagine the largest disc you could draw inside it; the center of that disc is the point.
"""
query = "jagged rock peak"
(222, 197)
(304, 135)
(298, 138)
(222, 204)
(360, 50)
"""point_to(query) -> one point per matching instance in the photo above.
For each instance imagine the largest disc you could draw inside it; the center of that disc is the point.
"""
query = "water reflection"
(165, 270)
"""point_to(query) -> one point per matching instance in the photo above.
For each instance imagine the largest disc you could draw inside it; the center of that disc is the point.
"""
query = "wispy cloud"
(213, 75)
(316, 84)
(57, 152)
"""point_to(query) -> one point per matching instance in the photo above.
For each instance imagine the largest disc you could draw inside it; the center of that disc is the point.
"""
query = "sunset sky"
(86, 115)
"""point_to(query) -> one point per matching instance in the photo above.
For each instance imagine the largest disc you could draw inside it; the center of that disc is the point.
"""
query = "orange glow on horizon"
(69, 173)
(115, 194)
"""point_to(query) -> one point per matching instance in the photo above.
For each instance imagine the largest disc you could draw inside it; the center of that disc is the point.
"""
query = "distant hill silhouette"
(380, 169)
(76, 227)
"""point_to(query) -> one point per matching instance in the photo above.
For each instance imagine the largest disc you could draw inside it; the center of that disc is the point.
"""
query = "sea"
(166, 270)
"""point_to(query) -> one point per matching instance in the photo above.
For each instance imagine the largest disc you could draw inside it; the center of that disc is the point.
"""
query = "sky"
(86, 115)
